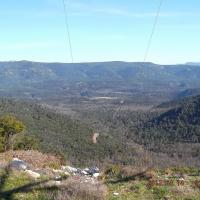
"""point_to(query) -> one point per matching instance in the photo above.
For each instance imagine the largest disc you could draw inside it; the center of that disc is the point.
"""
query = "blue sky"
(101, 30)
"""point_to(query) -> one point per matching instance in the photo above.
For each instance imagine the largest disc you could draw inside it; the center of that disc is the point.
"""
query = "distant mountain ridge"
(34, 78)
(35, 71)
(193, 63)
(189, 92)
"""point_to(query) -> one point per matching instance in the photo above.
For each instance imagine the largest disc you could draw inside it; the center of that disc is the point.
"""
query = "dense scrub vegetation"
(127, 137)
(170, 129)
(175, 131)
(180, 124)
(60, 134)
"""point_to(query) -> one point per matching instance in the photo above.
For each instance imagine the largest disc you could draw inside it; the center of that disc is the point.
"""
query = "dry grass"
(131, 171)
(120, 173)
(35, 159)
(185, 192)
(74, 189)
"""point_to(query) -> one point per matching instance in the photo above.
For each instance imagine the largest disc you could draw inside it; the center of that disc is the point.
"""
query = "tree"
(1, 144)
(9, 126)
(24, 141)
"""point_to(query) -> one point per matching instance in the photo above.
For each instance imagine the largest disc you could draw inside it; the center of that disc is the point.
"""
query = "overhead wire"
(153, 30)
(68, 36)
(148, 47)
(149, 42)
(117, 112)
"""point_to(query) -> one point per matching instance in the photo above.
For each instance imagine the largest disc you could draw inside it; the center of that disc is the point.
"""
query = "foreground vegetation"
(170, 184)
(117, 184)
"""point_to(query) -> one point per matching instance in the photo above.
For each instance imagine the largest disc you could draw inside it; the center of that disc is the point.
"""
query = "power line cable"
(149, 42)
(68, 36)
(153, 30)
(149, 46)
(145, 58)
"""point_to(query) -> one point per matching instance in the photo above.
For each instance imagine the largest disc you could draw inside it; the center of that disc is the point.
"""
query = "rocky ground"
(31, 175)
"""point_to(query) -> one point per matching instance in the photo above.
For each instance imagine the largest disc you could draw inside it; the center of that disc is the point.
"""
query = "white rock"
(18, 164)
(33, 174)
(57, 182)
(63, 167)
(69, 169)
(96, 175)
(66, 173)
(58, 177)
(93, 170)
(84, 172)
(116, 194)
(57, 171)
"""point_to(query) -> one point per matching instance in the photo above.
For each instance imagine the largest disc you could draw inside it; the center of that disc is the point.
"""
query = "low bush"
(25, 142)
(138, 187)
(186, 170)
(74, 189)
(113, 171)
(196, 184)
(159, 192)
(2, 147)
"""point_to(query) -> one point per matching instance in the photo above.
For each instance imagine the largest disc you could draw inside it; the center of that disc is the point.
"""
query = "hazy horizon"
(107, 61)
(100, 31)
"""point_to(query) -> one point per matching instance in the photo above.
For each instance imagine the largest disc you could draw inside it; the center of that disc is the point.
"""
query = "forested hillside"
(174, 131)
(189, 92)
(60, 134)
(170, 136)
(31, 72)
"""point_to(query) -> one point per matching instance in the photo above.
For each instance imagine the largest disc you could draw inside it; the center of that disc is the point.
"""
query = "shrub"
(10, 126)
(2, 147)
(25, 142)
(186, 170)
(138, 187)
(196, 184)
(159, 192)
(113, 171)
